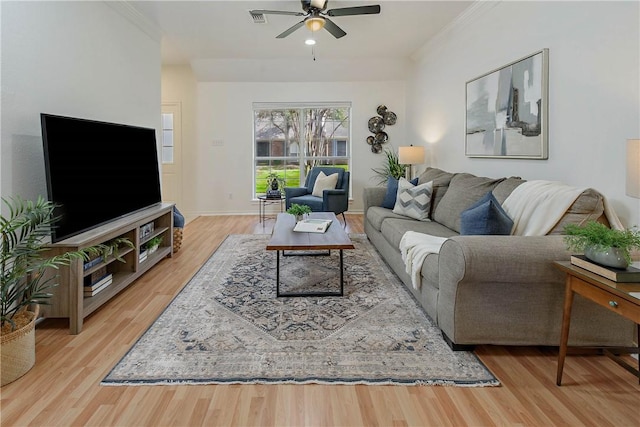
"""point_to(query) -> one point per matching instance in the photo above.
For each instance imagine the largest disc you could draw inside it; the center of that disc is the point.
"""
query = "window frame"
(302, 158)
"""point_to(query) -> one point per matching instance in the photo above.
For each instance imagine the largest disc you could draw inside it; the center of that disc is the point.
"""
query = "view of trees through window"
(290, 141)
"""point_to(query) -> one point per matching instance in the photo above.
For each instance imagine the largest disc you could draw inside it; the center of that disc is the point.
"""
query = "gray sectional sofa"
(492, 289)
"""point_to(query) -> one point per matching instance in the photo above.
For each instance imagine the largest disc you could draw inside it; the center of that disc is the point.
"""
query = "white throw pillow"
(413, 201)
(324, 182)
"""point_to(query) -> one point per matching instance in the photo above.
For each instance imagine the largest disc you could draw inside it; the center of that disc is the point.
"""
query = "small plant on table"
(298, 210)
(597, 237)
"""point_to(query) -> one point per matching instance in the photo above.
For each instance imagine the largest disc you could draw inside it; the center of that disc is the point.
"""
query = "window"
(291, 139)
(167, 138)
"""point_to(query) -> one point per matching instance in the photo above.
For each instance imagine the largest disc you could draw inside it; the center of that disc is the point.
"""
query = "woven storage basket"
(18, 350)
(177, 239)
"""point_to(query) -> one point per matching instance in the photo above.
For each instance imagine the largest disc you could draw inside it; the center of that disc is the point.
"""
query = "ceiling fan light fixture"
(314, 23)
(309, 42)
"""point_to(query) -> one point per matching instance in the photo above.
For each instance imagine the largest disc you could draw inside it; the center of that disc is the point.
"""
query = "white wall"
(594, 100)
(81, 59)
(225, 114)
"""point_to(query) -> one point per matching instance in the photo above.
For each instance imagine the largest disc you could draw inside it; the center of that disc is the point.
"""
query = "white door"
(172, 153)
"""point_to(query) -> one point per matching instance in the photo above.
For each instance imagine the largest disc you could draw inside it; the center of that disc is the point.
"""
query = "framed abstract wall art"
(507, 110)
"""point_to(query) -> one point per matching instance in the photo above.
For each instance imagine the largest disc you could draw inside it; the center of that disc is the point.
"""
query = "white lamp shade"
(633, 168)
(411, 155)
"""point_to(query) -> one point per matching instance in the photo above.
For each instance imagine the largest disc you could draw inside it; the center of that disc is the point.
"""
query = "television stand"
(68, 299)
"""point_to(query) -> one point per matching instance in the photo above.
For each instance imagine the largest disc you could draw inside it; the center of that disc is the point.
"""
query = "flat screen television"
(97, 172)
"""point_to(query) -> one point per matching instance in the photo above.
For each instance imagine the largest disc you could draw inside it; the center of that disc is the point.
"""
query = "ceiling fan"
(315, 14)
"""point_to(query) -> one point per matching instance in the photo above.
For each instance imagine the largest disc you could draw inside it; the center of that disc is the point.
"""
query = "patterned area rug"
(228, 326)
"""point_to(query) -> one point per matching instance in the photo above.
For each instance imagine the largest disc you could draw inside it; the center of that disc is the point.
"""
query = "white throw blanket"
(534, 206)
(414, 248)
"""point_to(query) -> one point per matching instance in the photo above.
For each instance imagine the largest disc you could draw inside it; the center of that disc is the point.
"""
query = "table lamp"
(410, 156)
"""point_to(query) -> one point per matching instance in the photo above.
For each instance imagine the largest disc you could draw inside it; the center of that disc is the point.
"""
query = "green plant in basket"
(28, 267)
(597, 236)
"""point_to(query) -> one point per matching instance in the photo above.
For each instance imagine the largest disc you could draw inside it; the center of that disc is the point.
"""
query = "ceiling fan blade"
(336, 31)
(290, 30)
(276, 12)
(358, 10)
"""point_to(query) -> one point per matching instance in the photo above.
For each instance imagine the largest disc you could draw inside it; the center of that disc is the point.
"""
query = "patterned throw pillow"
(413, 200)
(324, 182)
(389, 201)
(485, 217)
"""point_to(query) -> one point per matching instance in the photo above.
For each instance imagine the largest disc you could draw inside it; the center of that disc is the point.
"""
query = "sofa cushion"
(389, 201)
(464, 190)
(324, 182)
(441, 180)
(485, 217)
(589, 206)
(502, 190)
(413, 201)
(376, 215)
(315, 203)
(394, 228)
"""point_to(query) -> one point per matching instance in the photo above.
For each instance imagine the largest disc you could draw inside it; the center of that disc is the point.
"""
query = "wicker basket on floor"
(18, 350)
(177, 239)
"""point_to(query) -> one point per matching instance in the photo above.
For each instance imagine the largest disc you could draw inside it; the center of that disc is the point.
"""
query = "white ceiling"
(207, 34)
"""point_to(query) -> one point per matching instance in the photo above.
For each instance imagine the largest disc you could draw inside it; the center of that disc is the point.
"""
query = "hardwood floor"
(63, 387)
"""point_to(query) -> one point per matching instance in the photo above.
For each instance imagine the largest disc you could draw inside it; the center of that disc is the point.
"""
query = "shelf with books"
(69, 298)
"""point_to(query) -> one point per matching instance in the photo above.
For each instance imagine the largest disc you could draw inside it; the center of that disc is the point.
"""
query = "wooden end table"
(284, 238)
(615, 296)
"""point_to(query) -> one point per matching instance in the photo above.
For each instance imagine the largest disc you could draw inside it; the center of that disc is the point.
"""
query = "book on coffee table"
(312, 225)
(628, 275)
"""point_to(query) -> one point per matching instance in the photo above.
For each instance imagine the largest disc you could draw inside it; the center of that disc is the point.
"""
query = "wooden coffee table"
(284, 238)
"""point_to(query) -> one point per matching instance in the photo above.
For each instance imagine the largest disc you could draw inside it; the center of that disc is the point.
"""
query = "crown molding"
(125, 9)
(477, 9)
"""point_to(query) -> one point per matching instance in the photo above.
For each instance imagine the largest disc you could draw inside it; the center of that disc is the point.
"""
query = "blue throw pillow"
(178, 218)
(486, 216)
(392, 191)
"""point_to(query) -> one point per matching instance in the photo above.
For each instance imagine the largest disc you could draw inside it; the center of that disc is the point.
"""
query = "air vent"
(258, 18)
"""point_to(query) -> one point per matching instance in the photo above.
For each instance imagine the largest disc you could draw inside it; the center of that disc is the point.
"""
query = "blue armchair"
(336, 201)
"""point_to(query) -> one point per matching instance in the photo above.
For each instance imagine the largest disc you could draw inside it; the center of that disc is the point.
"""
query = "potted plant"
(298, 210)
(275, 185)
(152, 244)
(391, 168)
(26, 278)
(275, 181)
(602, 244)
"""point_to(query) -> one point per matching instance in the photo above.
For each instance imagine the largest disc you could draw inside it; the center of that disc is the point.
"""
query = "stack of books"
(95, 261)
(274, 194)
(97, 281)
(629, 275)
(143, 255)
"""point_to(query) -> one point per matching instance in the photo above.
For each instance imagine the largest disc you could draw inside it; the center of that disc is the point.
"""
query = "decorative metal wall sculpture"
(376, 127)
